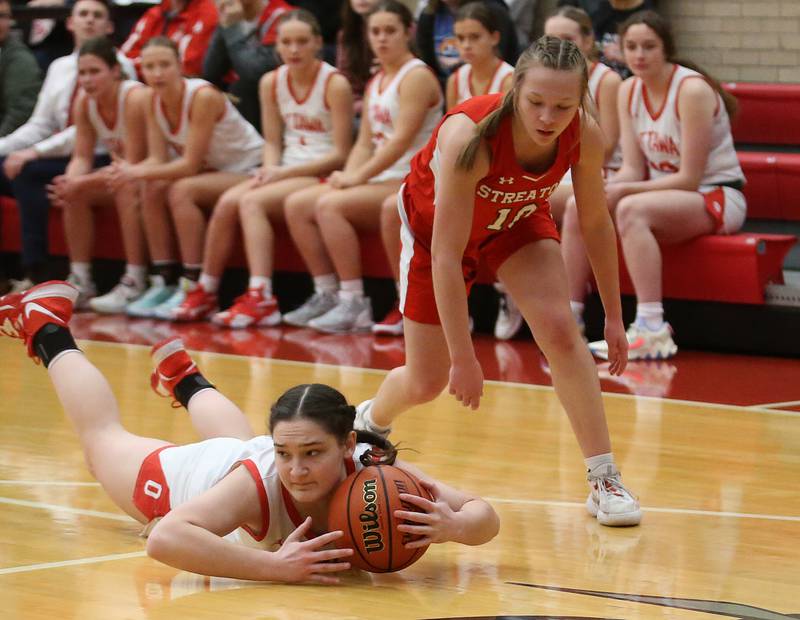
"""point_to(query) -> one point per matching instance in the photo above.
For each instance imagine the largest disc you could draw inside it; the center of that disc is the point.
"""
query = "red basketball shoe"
(172, 364)
(251, 308)
(22, 315)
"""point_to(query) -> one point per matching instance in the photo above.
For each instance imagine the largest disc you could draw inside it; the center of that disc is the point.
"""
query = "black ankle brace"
(189, 386)
(51, 341)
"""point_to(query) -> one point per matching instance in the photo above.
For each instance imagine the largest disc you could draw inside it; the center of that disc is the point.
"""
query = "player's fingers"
(415, 517)
(299, 531)
(330, 567)
(324, 539)
(332, 554)
(416, 500)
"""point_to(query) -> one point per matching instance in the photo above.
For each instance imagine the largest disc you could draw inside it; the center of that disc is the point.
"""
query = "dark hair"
(663, 31)
(301, 15)
(328, 408)
(580, 17)
(398, 8)
(105, 3)
(480, 13)
(162, 41)
(357, 57)
(102, 47)
(548, 52)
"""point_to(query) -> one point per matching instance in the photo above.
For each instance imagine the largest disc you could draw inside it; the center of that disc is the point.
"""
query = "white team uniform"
(659, 135)
(384, 107)
(111, 138)
(235, 144)
(307, 123)
(464, 81)
(597, 74)
(192, 469)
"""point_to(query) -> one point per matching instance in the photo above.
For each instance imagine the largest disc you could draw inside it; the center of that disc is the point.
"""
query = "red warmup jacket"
(191, 29)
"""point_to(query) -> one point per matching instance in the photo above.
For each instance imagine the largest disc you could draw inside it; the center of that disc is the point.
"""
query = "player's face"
(94, 75)
(387, 35)
(5, 21)
(644, 50)
(297, 44)
(362, 7)
(547, 101)
(310, 461)
(89, 19)
(568, 30)
(475, 43)
(160, 67)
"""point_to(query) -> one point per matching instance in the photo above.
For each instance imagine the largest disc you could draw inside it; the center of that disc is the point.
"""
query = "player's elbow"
(161, 542)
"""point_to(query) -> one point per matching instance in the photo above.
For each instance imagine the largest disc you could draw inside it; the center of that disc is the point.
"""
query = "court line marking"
(497, 500)
(787, 403)
(646, 509)
(53, 483)
(79, 562)
(57, 508)
(526, 386)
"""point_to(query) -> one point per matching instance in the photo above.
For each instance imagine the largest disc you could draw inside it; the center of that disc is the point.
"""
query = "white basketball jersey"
(192, 469)
(597, 73)
(112, 139)
(384, 107)
(464, 81)
(659, 133)
(307, 123)
(235, 144)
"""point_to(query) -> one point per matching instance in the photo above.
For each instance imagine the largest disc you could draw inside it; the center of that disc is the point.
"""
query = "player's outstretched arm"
(453, 515)
(190, 538)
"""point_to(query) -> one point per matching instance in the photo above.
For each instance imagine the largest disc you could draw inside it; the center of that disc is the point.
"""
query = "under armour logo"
(506, 180)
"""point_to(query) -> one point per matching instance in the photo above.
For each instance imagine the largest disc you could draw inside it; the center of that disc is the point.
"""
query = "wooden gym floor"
(719, 484)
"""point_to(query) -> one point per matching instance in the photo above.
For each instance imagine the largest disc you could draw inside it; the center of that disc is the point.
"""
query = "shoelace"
(611, 485)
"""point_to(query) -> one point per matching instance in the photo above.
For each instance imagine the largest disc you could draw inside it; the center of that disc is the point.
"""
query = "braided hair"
(548, 52)
(328, 408)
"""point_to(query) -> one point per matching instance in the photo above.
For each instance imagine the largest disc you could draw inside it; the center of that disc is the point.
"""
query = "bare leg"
(130, 220)
(256, 208)
(341, 213)
(157, 222)
(423, 377)
(558, 202)
(546, 309)
(390, 234)
(79, 222)
(189, 201)
(644, 220)
(213, 415)
(299, 212)
(112, 454)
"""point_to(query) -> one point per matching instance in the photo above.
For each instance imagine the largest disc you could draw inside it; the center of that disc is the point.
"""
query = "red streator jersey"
(507, 194)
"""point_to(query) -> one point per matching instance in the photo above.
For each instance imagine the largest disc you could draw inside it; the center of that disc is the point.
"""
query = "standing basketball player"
(489, 168)
(275, 490)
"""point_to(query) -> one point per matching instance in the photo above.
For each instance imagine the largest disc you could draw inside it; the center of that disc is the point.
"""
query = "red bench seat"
(773, 184)
(768, 113)
(732, 269)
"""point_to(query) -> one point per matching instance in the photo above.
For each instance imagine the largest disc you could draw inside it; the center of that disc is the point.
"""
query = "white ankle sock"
(650, 314)
(83, 271)
(327, 283)
(599, 459)
(209, 283)
(351, 289)
(138, 273)
(262, 283)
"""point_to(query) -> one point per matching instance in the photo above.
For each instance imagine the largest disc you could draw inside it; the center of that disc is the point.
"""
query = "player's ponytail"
(661, 27)
(548, 52)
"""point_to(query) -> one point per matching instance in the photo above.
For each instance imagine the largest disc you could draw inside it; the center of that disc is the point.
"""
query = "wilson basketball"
(363, 508)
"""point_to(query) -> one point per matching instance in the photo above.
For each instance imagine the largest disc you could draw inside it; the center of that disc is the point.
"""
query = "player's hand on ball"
(466, 382)
(437, 523)
(308, 560)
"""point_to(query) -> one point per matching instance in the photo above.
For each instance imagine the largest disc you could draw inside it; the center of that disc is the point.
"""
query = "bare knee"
(557, 333)
(250, 208)
(629, 215)
(425, 388)
(154, 194)
(179, 194)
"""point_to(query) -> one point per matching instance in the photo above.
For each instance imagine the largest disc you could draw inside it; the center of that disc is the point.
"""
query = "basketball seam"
(389, 516)
(353, 538)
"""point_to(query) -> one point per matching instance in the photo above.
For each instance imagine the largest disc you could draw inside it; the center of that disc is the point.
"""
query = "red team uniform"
(511, 207)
